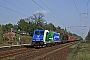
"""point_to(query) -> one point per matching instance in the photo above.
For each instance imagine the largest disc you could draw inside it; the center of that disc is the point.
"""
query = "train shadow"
(31, 46)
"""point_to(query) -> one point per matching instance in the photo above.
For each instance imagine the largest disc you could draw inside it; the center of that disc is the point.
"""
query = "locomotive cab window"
(36, 33)
(41, 32)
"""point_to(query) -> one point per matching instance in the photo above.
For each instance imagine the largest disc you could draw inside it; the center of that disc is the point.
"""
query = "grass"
(26, 39)
(23, 40)
(5, 44)
(80, 52)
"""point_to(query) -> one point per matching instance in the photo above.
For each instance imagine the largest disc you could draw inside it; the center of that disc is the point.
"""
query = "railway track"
(31, 53)
(40, 55)
(13, 54)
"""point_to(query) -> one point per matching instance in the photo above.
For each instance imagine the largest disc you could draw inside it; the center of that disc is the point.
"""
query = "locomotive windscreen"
(39, 33)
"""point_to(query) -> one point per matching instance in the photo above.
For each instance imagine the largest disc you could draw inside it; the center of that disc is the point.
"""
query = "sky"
(74, 15)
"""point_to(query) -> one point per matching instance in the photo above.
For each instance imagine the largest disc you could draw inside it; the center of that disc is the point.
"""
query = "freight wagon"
(73, 38)
(64, 38)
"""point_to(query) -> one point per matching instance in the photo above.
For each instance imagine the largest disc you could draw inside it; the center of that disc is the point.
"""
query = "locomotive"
(43, 38)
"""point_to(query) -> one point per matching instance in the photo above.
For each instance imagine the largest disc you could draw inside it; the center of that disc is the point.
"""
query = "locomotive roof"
(39, 30)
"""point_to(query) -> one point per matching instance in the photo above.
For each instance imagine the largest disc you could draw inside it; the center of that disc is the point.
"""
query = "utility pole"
(83, 26)
(83, 30)
(83, 33)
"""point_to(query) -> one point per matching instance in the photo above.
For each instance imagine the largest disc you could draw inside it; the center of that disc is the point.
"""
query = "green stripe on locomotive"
(49, 37)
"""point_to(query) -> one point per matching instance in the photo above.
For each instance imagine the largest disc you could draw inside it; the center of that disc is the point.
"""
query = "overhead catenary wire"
(12, 10)
(52, 11)
(82, 13)
(23, 9)
(17, 7)
(77, 13)
(87, 7)
(27, 11)
(45, 10)
(76, 7)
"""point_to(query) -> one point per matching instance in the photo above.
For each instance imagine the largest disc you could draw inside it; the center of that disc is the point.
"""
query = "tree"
(15, 27)
(38, 20)
(51, 27)
(7, 27)
(59, 27)
(1, 34)
(22, 25)
(31, 23)
(58, 30)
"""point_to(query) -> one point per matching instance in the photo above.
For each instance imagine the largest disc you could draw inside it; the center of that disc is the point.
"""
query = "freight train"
(43, 38)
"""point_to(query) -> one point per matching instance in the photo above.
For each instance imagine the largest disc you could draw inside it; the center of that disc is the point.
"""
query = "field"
(80, 52)
(23, 40)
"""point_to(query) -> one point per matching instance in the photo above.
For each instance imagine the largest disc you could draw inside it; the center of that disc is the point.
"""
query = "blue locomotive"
(44, 38)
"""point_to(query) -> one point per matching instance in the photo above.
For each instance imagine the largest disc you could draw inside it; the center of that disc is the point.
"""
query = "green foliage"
(80, 52)
(1, 34)
(26, 39)
(50, 26)
(30, 24)
(17, 35)
(7, 27)
(70, 33)
(22, 25)
(15, 27)
(2, 40)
